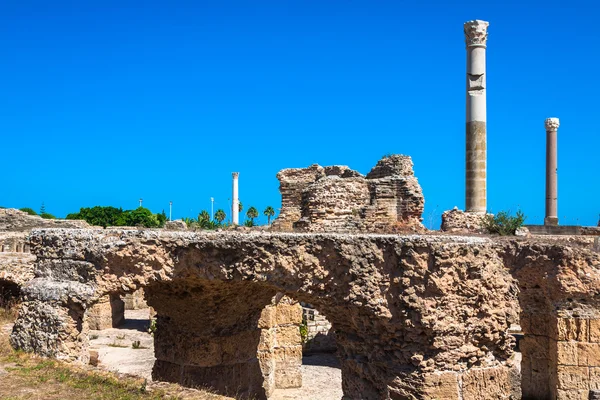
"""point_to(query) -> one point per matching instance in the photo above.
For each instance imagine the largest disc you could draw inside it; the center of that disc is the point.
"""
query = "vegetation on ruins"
(503, 223)
(269, 212)
(112, 216)
(28, 210)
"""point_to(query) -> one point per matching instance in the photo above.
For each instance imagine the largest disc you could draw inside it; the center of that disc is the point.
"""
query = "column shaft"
(235, 205)
(476, 135)
(551, 172)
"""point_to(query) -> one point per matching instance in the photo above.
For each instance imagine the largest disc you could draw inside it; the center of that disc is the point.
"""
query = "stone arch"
(415, 316)
(9, 291)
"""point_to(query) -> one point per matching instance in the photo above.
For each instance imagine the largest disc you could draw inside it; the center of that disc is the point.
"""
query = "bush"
(503, 223)
(28, 210)
(47, 216)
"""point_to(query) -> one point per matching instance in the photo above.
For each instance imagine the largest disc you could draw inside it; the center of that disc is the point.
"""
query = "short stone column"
(476, 150)
(551, 218)
(235, 204)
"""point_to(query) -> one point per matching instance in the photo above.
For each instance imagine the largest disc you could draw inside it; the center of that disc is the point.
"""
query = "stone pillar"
(551, 218)
(235, 204)
(476, 38)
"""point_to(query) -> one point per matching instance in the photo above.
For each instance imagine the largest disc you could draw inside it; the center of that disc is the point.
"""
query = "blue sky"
(102, 102)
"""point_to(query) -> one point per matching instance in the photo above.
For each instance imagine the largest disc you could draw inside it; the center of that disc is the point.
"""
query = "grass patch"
(27, 376)
(115, 344)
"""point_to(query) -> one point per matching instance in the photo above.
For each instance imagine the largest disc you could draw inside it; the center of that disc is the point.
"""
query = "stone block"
(289, 314)
(268, 317)
(288, 353)
(491, 383)
(267, 340)
(588, 354)
(570, 377)
(288, 375)
(566, 353)
(288, 335)
(572, 329)
(594, 330)
(441, 385)
(594, 378)
(572, 394)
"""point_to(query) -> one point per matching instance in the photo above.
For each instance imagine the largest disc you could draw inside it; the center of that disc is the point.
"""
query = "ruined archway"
(415, 316)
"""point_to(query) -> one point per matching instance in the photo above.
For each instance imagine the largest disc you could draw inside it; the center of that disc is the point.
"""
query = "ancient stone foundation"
(458, 221)
(338, 199)
(416, 317)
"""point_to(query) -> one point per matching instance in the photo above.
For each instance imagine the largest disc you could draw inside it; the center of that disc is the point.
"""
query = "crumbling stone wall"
(415, 316)
(320, 338)
(458, 221)
(13, 220)
(338, 199)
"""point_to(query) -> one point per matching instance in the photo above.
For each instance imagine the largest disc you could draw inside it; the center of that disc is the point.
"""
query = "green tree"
(28, 210)
(252, 213)
(42, 209)
(220, 216)
(269, 212)
(101, 216)
(141, 216)
(162, 218)
(240, 206)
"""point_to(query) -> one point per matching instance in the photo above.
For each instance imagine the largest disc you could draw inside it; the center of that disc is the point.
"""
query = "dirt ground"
(321, 374)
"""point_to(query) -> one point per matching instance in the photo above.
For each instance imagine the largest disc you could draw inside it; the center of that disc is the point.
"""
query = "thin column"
(476, 152)
(235, 205)
(552, 125)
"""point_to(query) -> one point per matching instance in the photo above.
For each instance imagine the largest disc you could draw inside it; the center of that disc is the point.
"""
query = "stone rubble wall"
(14, 242)
(320, 336)
(13, 220)
(458, 221)
(338, 199)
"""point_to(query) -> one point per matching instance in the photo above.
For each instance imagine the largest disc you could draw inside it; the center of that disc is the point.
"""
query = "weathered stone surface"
(13, 220)
(458, 221)
(338, 199)
(403, 307)
(177, 225)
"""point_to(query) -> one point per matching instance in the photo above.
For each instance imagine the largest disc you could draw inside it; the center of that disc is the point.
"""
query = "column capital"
(235, 175)
(552, 124)
(476, 33)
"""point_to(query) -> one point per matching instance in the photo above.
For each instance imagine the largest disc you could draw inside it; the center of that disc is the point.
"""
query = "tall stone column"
(235, 204)
(476, 38)
(551, 218)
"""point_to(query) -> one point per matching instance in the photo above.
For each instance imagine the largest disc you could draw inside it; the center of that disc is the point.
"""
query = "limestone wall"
(338, 199)
(320, 336)
(13, 220)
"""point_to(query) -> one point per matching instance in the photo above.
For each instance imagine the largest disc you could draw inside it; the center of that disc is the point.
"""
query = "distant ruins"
(338, 199)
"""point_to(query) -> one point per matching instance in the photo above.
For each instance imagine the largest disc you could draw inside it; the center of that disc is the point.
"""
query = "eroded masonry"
(338, 199)
(415, 317)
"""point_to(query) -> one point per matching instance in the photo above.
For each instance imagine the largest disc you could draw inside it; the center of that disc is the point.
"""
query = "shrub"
(503, 223)
(47, 216)
(28, 210)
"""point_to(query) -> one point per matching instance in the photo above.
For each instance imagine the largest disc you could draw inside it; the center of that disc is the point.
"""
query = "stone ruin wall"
(320, 337)
(338, 199)
(419, 316)
(13, 220)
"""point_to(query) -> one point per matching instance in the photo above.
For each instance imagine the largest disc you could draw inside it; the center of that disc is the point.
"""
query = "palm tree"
(204, 219)
(252, 213)
(220, 216)
(240, 206)
(269, 212)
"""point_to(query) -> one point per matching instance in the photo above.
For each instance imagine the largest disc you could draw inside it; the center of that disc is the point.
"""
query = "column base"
(551, 221)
